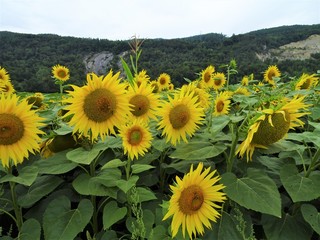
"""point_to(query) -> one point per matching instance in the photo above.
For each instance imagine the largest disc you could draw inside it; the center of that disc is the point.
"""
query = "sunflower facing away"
(19, 130)
(219, 80)
(164, 80)
(272, 125)
(60, 73)
(180, 117)
(306, 81)
(4, 75)
(144, 102)
(271, 73)
(206, 77)
(136, 138)
(193, 203)
(222, 104)
(97, 107)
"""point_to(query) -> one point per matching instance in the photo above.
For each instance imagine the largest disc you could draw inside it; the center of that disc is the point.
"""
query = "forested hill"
(29, 58)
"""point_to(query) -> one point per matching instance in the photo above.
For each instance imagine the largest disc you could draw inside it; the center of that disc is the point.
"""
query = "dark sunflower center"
(155, 87)
(220, 106)
(271, 74)
(191, 199)
(267, 134)
(140, 104)
(1, 76)
(135, 136)
(62, 73)
(217, 81)
(207, 77)
(11, 129)
(306, 84)
(162, 81)
(100, 105)
(179, 116)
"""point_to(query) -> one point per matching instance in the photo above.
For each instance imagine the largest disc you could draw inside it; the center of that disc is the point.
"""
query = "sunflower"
(6, 87)
(242, 91)
(60, 73)
(36, 100)
(97, 107)
(145, 103)
(193, 203)
(219, 80)
(181, 116)
(306, 81)
(4, 75)
(245, 81)
(19, 129)
(270, 74)
(272, 125)
(207, 77)
(136, 138)
(164, 80)
(155, 86)
(222, 104)
(202, 94)
(141, 77)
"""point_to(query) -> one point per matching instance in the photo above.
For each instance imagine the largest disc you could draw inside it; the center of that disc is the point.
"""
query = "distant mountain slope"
(29, 58)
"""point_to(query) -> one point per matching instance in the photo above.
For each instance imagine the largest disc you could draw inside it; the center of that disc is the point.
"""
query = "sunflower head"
(203, 96)
(207, 76)
(6, 87)
(219, 80)
(19, 130)
(36, 100)
(141, 77)
(136, 138)
(194, 201)
(271, 73)
(245, 81)
(306, 81)
(164, 80)
(4, 75)
(97, 107)
(242, 91)
(60, 73)
(222, 104)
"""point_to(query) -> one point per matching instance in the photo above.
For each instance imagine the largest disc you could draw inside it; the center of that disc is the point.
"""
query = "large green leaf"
(126, 185)
(40, 188)
(197, 150)
(60, 222)
(57, 164)
(286, 227)
(138, 168)
(114, 164)
(27, 175)
(257, 191)
(30, 230)
(145, 194)
(299, 187)
(312, 216)
(112, 214)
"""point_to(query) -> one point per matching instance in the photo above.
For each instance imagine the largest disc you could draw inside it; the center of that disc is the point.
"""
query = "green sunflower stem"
(94, 201)
(235, 137)
(314, 162)
(16, 207)
(127, 168)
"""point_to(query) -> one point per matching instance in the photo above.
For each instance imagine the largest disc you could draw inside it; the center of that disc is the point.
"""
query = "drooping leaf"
(257, 191)
(26, 176)
(112, 214)
(30, 230)
(60, 222)
(299, 187)
(40, 188)
(312, 216)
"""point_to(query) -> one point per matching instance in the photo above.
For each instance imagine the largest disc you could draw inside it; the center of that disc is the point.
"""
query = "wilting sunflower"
(272, 125)
(222, 104)
(97, 107)
(6, 87)
(271, 73)
(60, 73)
(164, 80)
(306, 81)
(207, 77)
(219, 80)
(19, 129)
(136, 138)
(194, 202)
(4, 75)
(181, 116)
(144, 102)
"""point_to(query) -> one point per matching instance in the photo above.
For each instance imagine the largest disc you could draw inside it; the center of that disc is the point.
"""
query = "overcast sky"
(122, 19)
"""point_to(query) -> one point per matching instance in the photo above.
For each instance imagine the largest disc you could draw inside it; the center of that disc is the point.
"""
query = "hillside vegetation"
(29, 58)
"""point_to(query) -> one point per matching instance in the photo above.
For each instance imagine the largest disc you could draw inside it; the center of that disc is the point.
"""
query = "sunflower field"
(136, 158)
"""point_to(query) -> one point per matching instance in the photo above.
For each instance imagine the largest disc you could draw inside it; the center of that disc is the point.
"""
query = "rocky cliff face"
(300, 50)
